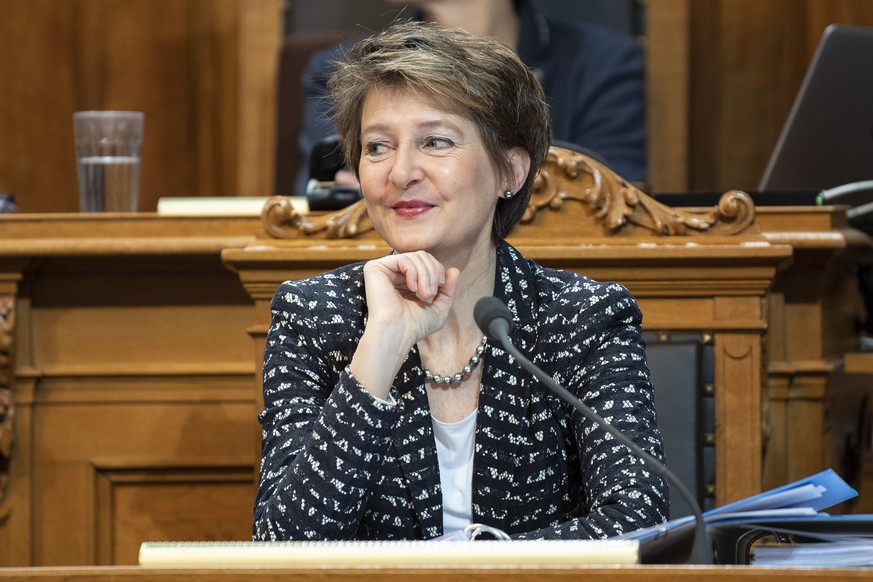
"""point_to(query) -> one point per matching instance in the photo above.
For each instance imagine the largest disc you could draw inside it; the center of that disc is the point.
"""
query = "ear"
(519, 160)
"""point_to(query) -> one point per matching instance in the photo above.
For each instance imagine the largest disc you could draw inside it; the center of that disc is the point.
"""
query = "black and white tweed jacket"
(339, 464)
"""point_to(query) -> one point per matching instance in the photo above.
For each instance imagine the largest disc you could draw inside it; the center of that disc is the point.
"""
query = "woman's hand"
(408, 298)
(412, 292)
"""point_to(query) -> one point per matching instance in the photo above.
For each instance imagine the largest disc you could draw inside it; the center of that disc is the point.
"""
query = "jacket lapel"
(503, 409)
(505, 397)
(415, 447)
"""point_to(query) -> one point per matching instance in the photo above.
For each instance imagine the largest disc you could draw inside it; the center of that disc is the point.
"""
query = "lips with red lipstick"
(411, 208)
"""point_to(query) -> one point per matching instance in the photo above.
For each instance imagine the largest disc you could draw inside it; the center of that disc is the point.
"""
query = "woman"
(388, 416)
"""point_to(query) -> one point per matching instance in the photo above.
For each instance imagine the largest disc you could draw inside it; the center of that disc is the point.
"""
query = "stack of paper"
(840, 554)
(782, 526)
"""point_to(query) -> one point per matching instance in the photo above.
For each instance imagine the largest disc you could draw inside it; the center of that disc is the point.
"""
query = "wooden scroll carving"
(280, 220)
(619, 207)
(7, 411)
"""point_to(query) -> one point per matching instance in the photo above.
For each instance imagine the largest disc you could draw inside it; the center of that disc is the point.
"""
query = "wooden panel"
(259, 45)
(734, 68)
(813, 313)
(174, 504)
(185, 312)
(745, 71)
(203, 71)
(668, 40)
(737, 415)
(133, 401)
(824, 12)
(128, 460)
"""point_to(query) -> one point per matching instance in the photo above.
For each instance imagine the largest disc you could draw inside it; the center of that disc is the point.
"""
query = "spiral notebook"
(551, 553)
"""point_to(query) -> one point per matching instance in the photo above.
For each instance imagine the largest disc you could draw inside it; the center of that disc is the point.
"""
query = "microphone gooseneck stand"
(494, 319)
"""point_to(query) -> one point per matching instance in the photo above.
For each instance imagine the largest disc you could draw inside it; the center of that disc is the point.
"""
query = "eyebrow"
(427, 125)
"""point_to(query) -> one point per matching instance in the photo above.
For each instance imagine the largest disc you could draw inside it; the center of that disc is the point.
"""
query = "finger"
(446, 294)
(450, 283)
(431, 275)
(424, 274)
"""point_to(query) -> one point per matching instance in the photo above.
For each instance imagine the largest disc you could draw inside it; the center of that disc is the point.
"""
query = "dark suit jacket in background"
(339, 464)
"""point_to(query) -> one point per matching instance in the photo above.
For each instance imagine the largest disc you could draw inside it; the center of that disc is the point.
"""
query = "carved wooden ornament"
(618, 206)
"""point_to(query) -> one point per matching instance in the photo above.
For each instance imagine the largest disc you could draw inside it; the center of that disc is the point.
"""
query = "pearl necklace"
(468, 369)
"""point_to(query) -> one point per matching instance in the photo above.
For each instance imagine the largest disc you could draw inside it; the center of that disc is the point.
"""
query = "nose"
(406, 168)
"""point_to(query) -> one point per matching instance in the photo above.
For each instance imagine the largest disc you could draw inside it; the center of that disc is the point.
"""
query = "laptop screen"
(827, 140)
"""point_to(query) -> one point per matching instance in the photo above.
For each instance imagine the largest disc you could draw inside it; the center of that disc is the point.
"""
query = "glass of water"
(108, 156)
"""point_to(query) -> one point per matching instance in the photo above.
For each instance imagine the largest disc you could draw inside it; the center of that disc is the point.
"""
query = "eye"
(375, 148)
(438, 143)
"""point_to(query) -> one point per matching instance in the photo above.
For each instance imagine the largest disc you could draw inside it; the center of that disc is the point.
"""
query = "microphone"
(495, 320)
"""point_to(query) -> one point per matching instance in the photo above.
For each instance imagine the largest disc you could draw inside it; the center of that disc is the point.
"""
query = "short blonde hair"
(479, 76)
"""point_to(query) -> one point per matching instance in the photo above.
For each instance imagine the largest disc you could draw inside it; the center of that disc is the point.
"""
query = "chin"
(408, 240)
(409, 245)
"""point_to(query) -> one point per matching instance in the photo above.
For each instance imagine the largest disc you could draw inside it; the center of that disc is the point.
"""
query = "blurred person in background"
(593, 78)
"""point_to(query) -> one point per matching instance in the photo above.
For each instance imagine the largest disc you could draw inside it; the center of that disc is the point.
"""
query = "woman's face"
(426, 176)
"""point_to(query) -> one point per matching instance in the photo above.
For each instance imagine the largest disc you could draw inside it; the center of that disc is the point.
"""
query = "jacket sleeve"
(620, 492)
(323, 435)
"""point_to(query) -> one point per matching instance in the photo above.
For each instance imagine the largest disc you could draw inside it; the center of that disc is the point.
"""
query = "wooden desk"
(849, 408)
(126, 386)
(813, 309)
(449, 574)
(129, 382)
(128, 366)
